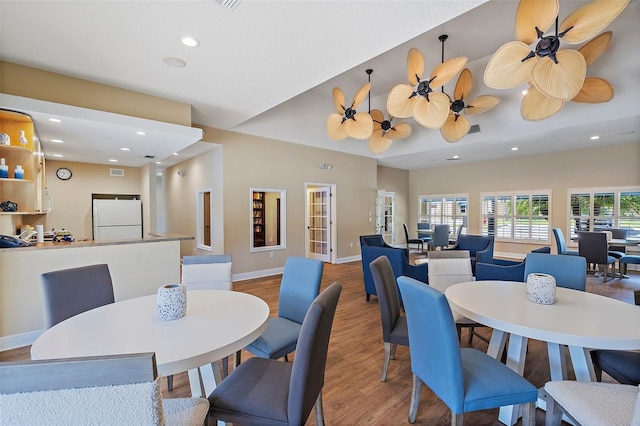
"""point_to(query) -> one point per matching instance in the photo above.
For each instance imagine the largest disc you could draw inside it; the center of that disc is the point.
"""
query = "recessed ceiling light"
(175, 153)
(55, 120)
(595, 137)
(524, 92)
(456, 157)
(141, 132)
(113, 160)
(174, 62)
(190, 41)
(159, 174)
(124, 148)
(158, 162)
(57, 141)
(58, 155)
(515, 148)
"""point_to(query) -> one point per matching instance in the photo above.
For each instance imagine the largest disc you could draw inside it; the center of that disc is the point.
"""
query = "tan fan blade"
(361, 127)
(399, 131)
(506, 69)
(338, 100)
(596, 47)
(590, 19)
(432, 114)
(378, 118)
(398, 102)
(594, 91)
(532, 14)
(453, 130)
(379, 142)
(415, 66)
(536, 106)
(562, 80)
(445, 71)
(336, 128)
(464, 85)
(361, 95)
(481, 104)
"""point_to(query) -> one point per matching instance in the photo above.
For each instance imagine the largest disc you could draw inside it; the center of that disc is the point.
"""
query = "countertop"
(151, 238)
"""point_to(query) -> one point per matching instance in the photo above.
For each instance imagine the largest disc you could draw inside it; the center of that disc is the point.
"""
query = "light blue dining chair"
(464, 379)
(440, 237)
(561, 244)
(569, 271)
(300, 285)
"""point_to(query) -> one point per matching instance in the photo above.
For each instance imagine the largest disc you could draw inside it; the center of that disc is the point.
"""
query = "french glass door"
(319, 223)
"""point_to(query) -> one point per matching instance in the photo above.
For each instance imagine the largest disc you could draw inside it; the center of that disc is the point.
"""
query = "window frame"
(588, 220)
(513, 199)
(456, 220)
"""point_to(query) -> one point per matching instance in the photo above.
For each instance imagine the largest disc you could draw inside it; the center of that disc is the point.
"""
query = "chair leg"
(459, 330)
(368, 297)
(286, 358)
(170, 383)
(470, 339)
(237, 359)
(554, 413)
(225, 366)
(529, 414)
(415, 399)
(385, 362)
(457, 419)
(318, 410)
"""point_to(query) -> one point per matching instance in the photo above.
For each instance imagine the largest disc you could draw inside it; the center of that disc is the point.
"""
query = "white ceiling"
(268, 68)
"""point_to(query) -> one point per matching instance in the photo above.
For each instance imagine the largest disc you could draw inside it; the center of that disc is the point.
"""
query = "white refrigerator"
(117, 219)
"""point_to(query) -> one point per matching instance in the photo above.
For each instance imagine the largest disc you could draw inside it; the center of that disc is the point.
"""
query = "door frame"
(333, 224)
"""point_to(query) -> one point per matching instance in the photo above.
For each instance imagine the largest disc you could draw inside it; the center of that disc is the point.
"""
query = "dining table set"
(217, 324)
(578, 320)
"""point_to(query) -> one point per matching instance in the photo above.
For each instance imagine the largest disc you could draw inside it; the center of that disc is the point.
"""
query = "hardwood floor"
(353, 393)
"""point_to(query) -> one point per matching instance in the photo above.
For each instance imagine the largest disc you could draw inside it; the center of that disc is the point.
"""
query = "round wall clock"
(63, 173)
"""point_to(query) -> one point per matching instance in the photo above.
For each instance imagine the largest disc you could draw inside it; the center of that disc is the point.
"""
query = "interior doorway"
(320, 222)
(385, 216)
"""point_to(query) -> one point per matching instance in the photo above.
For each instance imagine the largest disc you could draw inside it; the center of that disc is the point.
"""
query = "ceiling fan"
(347, 122)
(418, 100)
(556, 73)
(457, 125)
(384, 132)
(536, 106)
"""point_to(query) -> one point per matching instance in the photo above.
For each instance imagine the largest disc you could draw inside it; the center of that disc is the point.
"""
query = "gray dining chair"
(417, 241)
(422, 228)
(593, 246)
(618, 251)
(440, 237)
(101, 390)
(69, 292)
(268, 392)
(394, 324)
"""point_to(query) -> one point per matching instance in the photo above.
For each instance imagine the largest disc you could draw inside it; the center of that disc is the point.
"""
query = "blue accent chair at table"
(480, 247)
(300, 285)
(464, 379)
(399, 259)
(569, 271)
(424, 226)
(561, 244)
(504, 270)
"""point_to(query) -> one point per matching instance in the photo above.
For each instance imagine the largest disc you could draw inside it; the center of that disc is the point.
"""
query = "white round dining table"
(580, 320)
(217, 324)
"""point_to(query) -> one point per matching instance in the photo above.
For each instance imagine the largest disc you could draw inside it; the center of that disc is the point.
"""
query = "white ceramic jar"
(541, 288)
(172, 302)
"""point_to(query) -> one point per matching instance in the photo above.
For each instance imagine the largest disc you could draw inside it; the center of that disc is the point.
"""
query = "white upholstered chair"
(592, 403)
(118, 389)
(210, 272)
(449, 267)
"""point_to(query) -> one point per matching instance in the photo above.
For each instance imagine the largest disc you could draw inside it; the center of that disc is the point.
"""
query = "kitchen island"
(138, 267)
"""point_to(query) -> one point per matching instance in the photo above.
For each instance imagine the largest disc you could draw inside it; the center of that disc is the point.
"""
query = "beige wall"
(29, 82)
(72, 198)
(617, 165)
(251, 161)
(397, 180)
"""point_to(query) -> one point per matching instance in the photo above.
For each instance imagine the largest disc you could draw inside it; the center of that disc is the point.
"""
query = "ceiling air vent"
(475, 128)
(116, 172)
(229, 4)
(149, 156)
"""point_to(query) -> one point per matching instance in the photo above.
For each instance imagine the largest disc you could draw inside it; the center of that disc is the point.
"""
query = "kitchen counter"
(138, 267)
(152, 238)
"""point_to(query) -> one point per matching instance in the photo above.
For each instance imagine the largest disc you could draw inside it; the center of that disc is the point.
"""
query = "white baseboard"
(19, 340)
(257, 274)
(348, 259)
